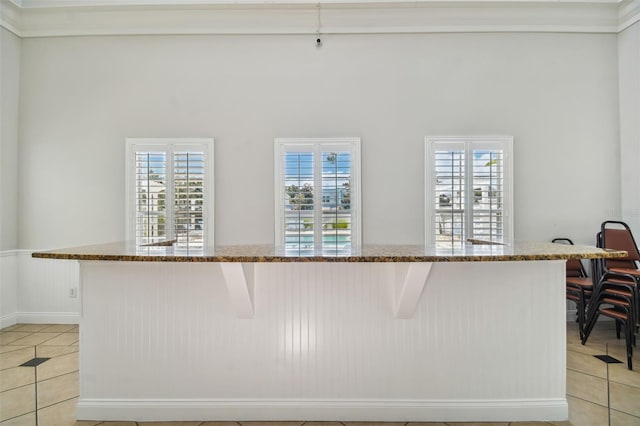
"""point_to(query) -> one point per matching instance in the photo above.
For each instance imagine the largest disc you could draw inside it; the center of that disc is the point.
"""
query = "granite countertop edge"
(529, 251)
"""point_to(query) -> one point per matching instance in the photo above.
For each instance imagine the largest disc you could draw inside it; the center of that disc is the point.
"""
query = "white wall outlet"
(73, 292)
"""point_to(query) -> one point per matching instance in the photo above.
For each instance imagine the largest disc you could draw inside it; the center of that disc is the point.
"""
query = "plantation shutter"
(150, 196)
(488, 194)
(188, 181)
(336, 200)
(298, 200)
(449, 196)
(468, 190)
(315, 207)
(171, 192)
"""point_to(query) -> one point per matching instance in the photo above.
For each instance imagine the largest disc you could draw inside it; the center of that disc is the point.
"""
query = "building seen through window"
(169, 192)
(469, 189)
(315, 208)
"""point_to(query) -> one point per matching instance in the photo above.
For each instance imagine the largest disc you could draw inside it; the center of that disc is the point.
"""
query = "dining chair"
(614, 299)
(579, 286)
(617, 235)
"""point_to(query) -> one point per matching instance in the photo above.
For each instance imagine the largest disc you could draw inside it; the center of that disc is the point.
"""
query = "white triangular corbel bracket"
(409, 282)
(239, 279)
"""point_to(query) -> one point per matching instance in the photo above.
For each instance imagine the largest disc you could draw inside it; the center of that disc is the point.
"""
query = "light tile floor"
(599, 394)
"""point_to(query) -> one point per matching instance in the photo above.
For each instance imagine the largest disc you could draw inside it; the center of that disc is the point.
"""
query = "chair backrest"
(617, 235)
(574, 266)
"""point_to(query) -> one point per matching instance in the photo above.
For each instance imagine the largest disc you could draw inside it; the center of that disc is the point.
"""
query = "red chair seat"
(583, 282)
(626, 271)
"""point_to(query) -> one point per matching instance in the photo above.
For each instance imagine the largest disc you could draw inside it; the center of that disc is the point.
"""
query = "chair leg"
(629, 326)
(581, 314)
(590, 323)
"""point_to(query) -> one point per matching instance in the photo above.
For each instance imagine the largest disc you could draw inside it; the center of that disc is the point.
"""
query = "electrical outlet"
(73, 292)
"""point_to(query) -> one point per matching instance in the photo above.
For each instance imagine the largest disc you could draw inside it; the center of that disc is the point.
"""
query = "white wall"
(8, 288)
(629, 65)
(557, 94)
(10, 47)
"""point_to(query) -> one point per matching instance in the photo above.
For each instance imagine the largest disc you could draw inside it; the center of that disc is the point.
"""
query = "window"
(317, 194)
(469, 189)
(170, 191)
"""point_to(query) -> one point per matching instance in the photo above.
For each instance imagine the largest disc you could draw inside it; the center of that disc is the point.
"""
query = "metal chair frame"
(632, 275)
(580, 290)
(617, 306)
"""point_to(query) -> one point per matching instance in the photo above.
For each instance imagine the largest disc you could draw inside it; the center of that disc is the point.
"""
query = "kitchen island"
(467, 332)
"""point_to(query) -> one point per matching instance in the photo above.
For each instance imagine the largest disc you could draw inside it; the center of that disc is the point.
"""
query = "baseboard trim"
(8, 320)
(321, 410)
(48, 317)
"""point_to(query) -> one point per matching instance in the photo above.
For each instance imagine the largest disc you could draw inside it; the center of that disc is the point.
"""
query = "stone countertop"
(469, 252)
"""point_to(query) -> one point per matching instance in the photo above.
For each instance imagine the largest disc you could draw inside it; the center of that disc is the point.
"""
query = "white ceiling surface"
(43, 18)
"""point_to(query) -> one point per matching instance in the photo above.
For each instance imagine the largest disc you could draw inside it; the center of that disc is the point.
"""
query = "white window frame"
(169, 145)
(317, 145)
(470, 142)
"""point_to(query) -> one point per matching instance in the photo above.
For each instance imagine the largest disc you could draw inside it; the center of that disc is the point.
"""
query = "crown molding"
(628, 14)
(30, 18)
(10, 16)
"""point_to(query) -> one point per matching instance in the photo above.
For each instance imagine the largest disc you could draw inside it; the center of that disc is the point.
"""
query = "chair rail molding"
(38, 18)
(37, 291)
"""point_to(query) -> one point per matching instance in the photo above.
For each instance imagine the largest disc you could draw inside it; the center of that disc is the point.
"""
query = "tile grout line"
(54, 404)
(36, 381)
(603, 378)
(15, 417)
(608, 379)
(606, 351)
(44, 341)
(625, 413)
(55, 377)
(587, 374)
(59, 375)
(49, 378)
(594, 375)
(35, 386)
(586, 400)
(35, 371)
(17, 387)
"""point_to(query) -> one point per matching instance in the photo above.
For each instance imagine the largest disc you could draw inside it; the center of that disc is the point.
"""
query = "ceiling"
(45, 18)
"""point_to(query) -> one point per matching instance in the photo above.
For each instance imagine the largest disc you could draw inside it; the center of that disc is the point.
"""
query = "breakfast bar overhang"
(466, 332)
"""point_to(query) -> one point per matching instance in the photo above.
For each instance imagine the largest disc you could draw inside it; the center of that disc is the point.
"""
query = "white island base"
(480, 341)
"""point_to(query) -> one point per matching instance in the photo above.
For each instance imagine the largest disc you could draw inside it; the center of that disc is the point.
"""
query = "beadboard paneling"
(323, 336)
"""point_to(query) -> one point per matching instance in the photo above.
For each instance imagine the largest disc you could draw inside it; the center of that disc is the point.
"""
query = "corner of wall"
(629, 104)
(8, 288)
